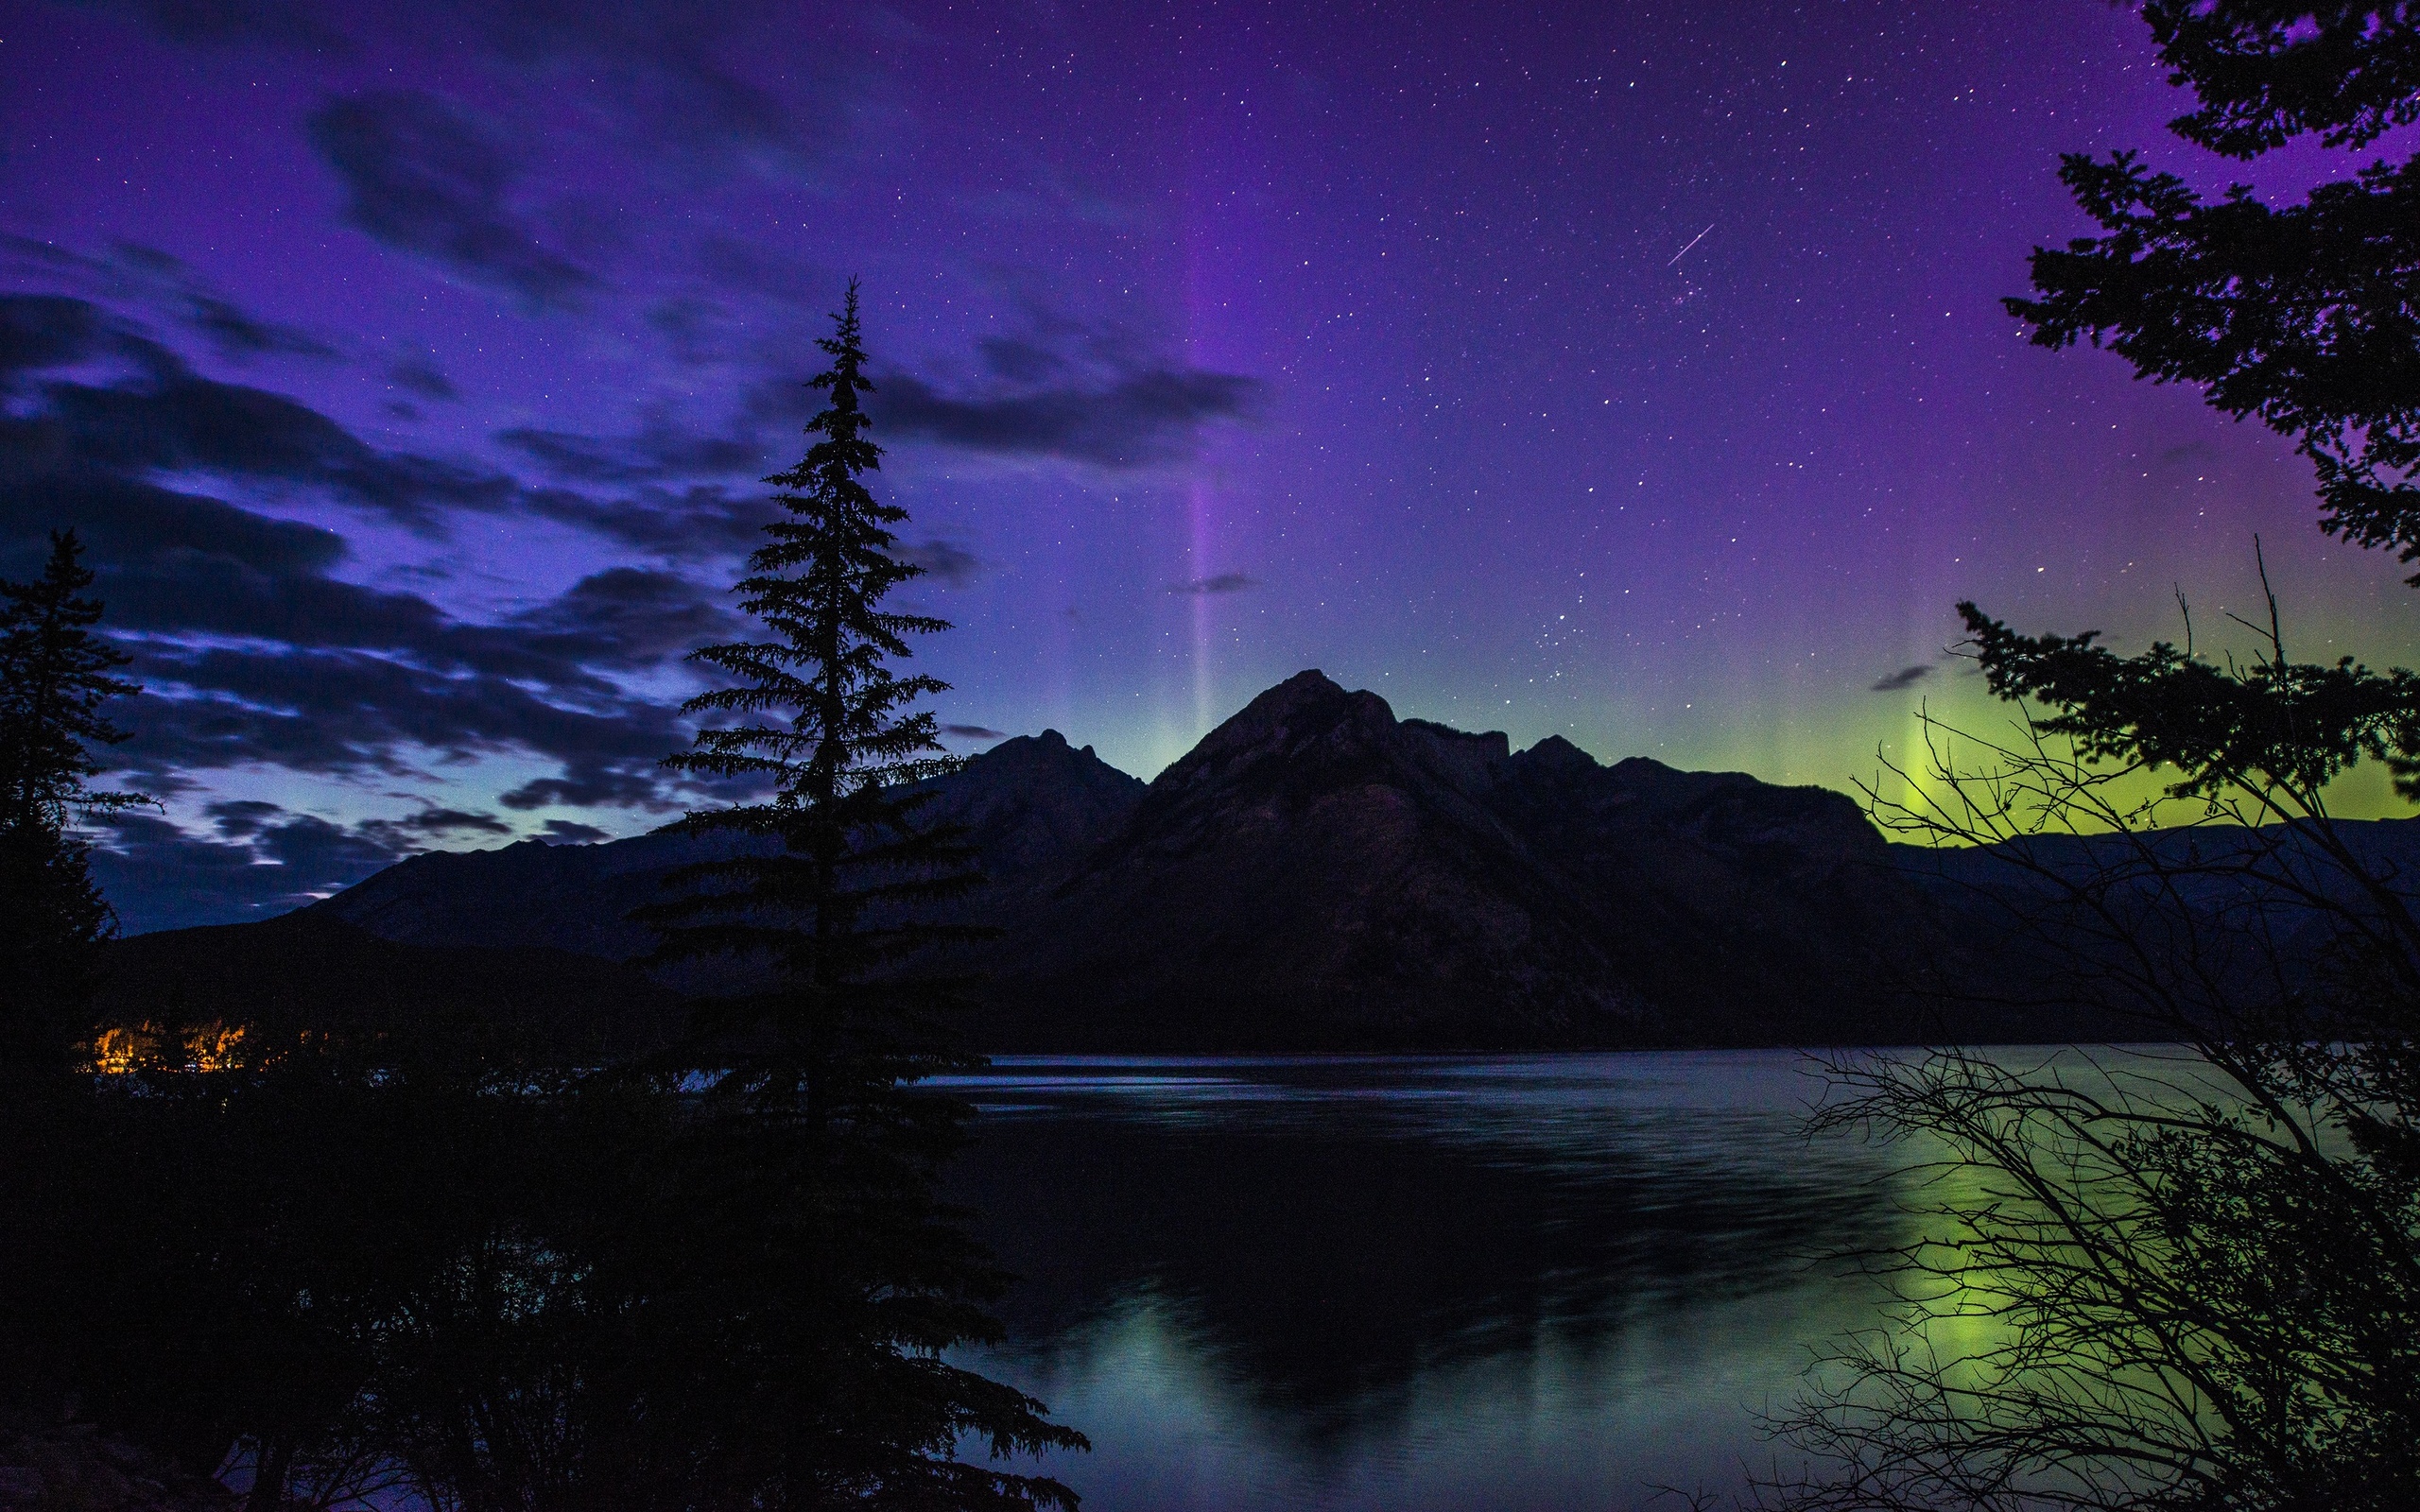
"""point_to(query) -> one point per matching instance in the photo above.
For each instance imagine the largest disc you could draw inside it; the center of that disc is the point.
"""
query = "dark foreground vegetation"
(2192, 1283)
(713, 1273)
(530, 1260)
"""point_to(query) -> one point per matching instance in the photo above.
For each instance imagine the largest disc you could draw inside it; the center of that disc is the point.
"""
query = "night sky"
(1633, 372)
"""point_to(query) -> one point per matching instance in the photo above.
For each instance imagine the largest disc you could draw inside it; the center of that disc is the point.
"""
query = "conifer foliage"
(2304, 315)
(847, 1282)
(55, 676)
(833, 863)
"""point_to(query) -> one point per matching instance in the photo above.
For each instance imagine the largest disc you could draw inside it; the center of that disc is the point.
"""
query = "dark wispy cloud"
(256, 651)
(236, 333)
(445, 821)
(39, 330)
(254, 859)
(144, 277)
(701, 520)
(946, 561)
(571, 832)
(665, 67)
(252, 864)
(271, 23)
(159, 416)
(1904, 678)
(179, 421)
(974, 732)
(165, 418)
(420, 176)
(660, 450)
(1157, 414)
(1216, 583)
(633, 616)
(422, 376)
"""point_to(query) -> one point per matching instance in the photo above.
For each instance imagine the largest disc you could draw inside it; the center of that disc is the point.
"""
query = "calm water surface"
(1403, 1283)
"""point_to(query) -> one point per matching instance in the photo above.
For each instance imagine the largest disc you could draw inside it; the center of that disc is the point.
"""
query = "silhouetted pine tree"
(823, 897)
(2200, 1293)
(54, 676)
(2306, 315)
(839, 1271)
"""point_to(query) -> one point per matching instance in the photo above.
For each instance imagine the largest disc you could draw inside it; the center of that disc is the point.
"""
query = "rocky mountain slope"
(1032, 806)
(1316, 873)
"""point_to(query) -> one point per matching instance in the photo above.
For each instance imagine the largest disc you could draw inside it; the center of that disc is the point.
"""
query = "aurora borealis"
(1635, 372)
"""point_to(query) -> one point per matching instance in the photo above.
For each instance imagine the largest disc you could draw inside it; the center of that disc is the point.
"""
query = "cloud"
(164, 418)
(256, 651)
(1152, 415)
(40, 331)
(239, 819)
(702, 520)
(1220, 583)
(592, 785)
(145, 276)
(662, 65)
(422, 177)
(257, 859)
(352, 712)
(570, 831)
(1904, 678)
(439, 821)
(946, 561)
(661, 451)
(237, 333)
(1020, 359)
(268, 861)
(974, 733)
(254, 654)
(631, 616)
(274, 23)
(423, 377)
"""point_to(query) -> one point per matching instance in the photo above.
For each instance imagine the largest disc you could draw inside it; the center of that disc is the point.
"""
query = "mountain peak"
(1556, 754)
(1304, 719)
(1310, 694)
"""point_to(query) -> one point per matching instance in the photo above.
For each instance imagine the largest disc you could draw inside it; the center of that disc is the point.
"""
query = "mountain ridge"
(1319, 873)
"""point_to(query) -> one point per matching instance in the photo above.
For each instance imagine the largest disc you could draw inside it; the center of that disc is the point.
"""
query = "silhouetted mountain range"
(1319, 873)
(1316, 873)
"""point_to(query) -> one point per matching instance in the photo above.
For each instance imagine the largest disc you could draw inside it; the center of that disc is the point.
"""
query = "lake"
(1550, 1281)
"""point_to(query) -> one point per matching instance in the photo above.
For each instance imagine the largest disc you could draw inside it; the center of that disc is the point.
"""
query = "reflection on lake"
(1503, 1282)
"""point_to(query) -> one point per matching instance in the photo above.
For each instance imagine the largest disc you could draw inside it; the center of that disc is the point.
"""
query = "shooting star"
(1693, 241)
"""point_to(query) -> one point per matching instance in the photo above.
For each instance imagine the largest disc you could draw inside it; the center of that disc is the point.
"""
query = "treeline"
(332, 1263)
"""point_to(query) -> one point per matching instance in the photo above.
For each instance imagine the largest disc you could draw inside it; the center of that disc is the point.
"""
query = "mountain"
(1318, 873)
(1033, 807)
(1315, 874)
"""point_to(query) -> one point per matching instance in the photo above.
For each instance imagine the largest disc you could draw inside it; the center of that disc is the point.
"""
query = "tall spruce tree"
(55, 676)
(860, 1281)
(834, 862)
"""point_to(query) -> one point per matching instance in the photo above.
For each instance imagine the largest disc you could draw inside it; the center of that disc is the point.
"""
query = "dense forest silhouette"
(327, 1258)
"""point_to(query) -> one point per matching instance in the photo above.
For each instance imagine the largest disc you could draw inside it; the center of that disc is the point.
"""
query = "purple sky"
(1635, 372)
